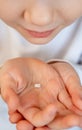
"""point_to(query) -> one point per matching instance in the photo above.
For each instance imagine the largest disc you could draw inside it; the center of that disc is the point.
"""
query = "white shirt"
(67, 45)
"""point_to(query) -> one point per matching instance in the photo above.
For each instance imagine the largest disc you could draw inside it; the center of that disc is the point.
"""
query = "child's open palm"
(34, 89)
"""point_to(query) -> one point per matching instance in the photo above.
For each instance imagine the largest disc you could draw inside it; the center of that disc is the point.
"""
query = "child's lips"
(39, 34)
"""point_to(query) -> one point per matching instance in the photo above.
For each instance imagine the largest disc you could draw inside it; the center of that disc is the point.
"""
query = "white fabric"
(67, 45)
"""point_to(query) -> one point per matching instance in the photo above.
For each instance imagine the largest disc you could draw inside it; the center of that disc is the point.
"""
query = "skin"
(41, 105)
(40, 16)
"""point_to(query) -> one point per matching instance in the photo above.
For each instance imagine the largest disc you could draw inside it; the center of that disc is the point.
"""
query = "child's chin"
(39, 41)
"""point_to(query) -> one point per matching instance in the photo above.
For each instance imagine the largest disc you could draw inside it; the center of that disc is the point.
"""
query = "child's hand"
(72, 83)
(63, 121)
(66, 120)
(19, 79)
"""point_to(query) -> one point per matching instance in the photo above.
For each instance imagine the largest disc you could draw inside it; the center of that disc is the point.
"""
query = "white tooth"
(37, 85)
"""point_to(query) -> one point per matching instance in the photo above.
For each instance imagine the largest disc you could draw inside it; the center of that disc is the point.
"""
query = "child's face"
(39, 21)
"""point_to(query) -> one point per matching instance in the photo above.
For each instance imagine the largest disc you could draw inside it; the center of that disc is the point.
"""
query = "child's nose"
(39, 15)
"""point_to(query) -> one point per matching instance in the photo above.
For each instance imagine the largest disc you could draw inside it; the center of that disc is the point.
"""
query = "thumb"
(40, 117)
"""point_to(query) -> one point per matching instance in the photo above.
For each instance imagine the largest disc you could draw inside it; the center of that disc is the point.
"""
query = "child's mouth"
(40, 34)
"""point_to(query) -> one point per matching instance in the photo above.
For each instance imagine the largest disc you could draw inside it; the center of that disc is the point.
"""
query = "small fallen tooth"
(37, 85)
